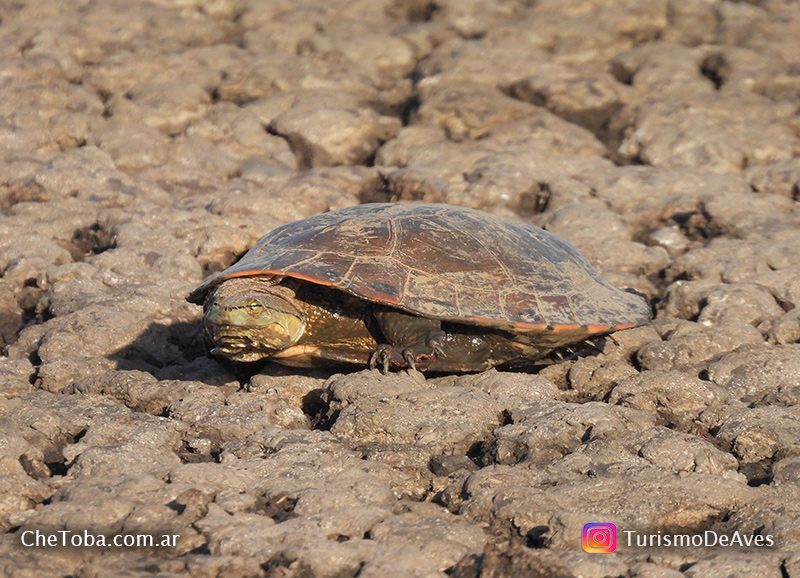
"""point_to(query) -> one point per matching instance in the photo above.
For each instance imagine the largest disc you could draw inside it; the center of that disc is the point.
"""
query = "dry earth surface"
(146, 144)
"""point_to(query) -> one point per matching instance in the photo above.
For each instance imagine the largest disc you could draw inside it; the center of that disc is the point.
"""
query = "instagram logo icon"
(600, 537)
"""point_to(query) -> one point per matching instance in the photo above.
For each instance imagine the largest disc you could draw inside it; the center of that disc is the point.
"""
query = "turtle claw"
(414, 342)
(383, 355)
(436, 342)
(415, 360)
(411, 357)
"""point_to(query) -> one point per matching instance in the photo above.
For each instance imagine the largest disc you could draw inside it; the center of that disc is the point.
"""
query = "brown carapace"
(430, 286)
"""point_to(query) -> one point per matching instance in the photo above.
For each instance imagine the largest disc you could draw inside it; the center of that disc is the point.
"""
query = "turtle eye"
(253, 306)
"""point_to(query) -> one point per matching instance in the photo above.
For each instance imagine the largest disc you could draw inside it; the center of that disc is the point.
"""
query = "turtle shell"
(444, 262)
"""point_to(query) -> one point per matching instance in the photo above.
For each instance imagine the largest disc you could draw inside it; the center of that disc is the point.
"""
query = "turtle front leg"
(413, 341)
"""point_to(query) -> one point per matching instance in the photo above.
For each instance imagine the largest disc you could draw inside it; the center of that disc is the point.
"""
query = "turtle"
(431, 287)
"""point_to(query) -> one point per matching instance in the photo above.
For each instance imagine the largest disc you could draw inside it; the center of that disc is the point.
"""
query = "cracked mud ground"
(145, 145)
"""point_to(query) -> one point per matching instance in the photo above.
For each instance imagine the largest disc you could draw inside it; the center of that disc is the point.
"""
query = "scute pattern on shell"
(443, 262)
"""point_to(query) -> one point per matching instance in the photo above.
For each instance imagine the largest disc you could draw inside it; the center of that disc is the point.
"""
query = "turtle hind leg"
(413, 341)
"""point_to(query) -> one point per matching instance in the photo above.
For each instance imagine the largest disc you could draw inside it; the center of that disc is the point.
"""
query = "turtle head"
(249, 320)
